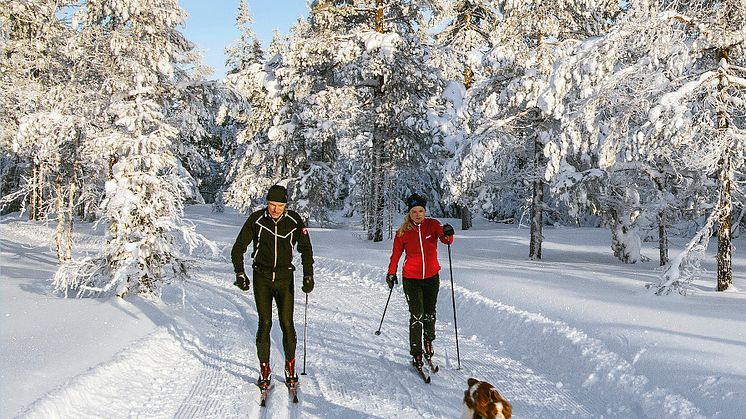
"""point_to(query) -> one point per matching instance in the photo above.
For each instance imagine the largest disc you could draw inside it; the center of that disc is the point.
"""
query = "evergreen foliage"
(525, 112)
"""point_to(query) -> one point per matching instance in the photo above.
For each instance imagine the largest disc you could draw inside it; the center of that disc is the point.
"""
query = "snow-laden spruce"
(347, 112)
(502, 161)
(144, 187)
(660, 98)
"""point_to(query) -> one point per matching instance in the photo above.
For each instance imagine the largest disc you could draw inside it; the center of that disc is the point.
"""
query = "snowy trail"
(531, 394)
(201, 362)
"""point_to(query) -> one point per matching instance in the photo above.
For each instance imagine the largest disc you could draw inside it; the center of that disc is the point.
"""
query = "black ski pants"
(281, 290)
(422, 297)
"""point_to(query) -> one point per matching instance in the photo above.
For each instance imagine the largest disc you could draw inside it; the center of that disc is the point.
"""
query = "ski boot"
(417, 364)
(429, 356)
(291, 376)
(264, 376)
(428, 350)
(291, 379)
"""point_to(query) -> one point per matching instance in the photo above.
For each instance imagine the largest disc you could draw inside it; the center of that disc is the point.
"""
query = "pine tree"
(525, 44)
(248, 49)
(138, 47)
(40, 95)
(466, 36)
(668, 98)
(259, 149)
(336, 131)
(405, 91)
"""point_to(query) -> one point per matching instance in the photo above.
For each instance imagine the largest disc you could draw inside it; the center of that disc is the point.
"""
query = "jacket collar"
(267, 215)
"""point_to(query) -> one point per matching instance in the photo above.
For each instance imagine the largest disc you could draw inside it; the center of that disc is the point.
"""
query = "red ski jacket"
(421, 247)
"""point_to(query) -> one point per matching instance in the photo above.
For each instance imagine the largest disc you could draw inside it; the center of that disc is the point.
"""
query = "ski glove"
(391, 280)
(447, 230)
(307, 283)
(242, 281)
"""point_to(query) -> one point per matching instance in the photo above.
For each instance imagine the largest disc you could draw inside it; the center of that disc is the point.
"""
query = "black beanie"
(277, 193)
(415, 200)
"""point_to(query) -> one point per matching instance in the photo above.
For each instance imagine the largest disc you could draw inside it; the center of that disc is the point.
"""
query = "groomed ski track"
(201, 362)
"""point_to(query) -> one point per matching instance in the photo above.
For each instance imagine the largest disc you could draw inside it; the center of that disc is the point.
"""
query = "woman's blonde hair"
(407, 225)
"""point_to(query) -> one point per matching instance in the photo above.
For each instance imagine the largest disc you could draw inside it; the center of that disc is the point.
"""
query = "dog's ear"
(468, 401)
(471, 381)
(495, 395)
(506, 408)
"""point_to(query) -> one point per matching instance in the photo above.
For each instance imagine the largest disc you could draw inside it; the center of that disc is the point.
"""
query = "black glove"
(242, 281)
(307, 283)
(447, 230)
(391, 280)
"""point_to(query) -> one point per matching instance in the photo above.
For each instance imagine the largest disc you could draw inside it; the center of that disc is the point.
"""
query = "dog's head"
(483, 399)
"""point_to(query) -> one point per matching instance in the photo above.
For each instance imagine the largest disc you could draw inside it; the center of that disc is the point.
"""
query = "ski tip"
(295, 399)
(263, 403)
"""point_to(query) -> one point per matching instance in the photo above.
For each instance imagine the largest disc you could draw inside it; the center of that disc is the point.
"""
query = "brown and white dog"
(482, 400)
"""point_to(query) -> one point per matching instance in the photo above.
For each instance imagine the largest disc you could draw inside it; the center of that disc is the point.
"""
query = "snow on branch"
(686, 267)
(385, 43)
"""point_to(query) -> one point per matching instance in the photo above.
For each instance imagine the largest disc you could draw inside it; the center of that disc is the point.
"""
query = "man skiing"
(274, 231)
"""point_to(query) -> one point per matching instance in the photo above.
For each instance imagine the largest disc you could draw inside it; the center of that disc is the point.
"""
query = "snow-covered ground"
(574, 335)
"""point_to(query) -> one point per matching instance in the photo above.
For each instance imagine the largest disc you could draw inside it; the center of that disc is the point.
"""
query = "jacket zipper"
(274, 264)
(422, 249)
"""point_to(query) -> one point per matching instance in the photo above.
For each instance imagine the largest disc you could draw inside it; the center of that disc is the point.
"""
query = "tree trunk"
(378, 189)
(60, 213)
(379, 16)
(537, 204)
(725, 216)
(468, 77)
(70, 211)
(35, 196)
(378, 177)
(463, 209)
(725, 245)
(662, 238)
(537, 192)
(625, 241)
(465, 217)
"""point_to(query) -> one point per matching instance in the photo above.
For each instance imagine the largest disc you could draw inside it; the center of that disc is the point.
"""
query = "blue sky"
(212, 24)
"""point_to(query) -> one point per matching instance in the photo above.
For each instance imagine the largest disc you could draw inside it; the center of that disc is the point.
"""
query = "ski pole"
(378, 332)
(453, 298)
(305, 334)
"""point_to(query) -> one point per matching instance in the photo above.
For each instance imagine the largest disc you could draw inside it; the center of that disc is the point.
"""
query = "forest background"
(627, 116)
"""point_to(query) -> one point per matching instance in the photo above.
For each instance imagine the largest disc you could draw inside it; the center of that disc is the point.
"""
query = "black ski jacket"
(273, 244)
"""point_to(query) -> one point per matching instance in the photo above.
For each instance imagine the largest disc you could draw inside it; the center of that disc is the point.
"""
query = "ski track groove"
(219, 385)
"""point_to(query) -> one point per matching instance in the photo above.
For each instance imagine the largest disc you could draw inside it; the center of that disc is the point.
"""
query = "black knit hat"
(277, 193)
(415, 200)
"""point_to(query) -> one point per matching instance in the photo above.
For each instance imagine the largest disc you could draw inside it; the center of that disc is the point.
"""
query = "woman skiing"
(418, 237)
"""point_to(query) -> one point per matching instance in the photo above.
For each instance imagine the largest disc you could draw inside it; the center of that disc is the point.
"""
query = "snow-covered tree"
(138, 46)
(465, 38)
(512, 133)
(248, 49)
(142, 208)
(35, 73)
(664, 89)
(208, 115)
(356, 112)
(394, 68)
(46, 101)
(260, 151)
